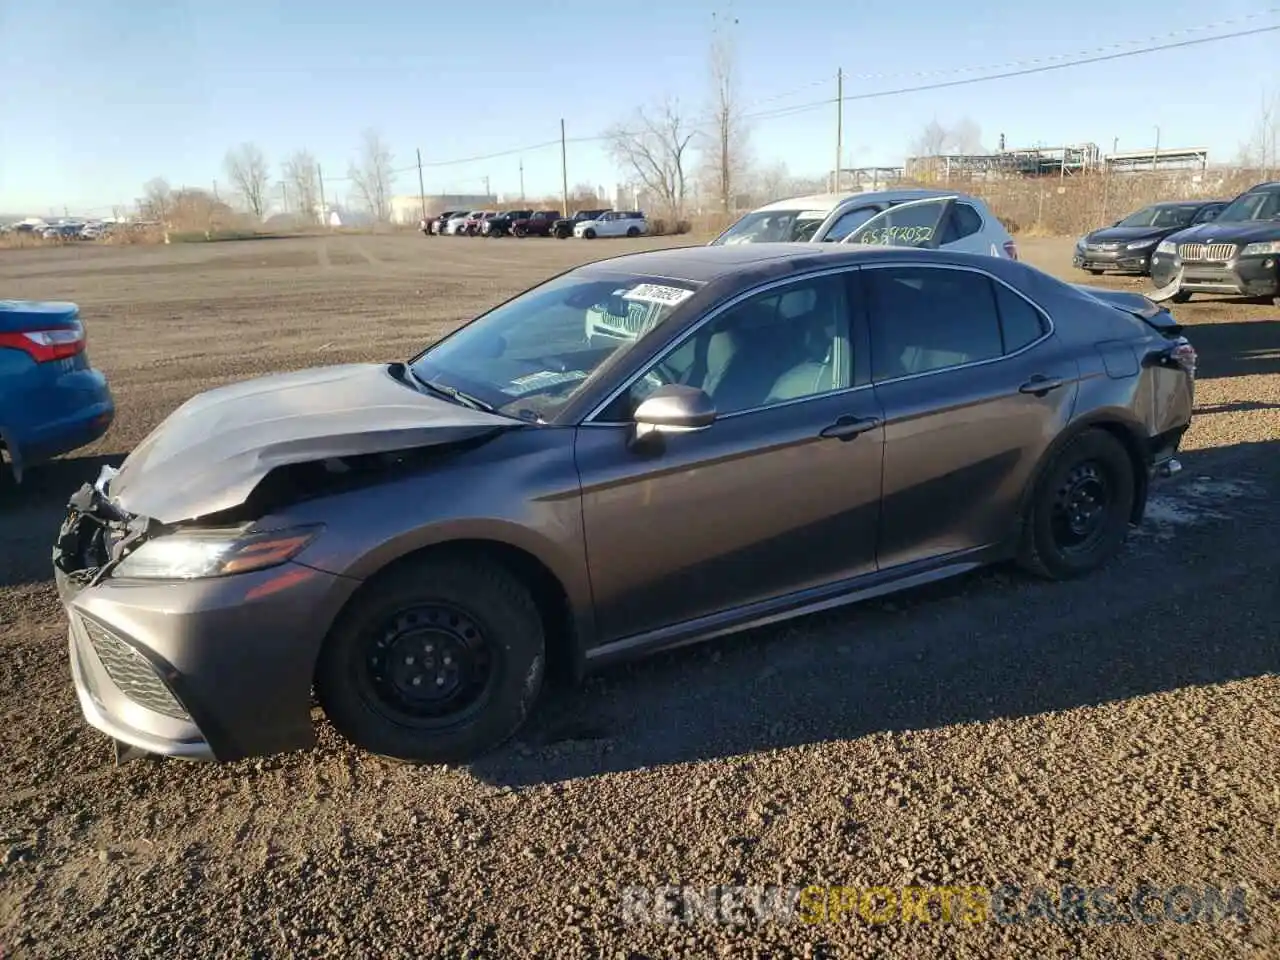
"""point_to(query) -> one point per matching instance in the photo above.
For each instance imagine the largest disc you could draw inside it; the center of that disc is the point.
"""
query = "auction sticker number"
(658, 293)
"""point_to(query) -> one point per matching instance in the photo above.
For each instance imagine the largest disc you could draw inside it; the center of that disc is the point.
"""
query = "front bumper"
(1241, 276)
(1119, 261)
(216, 669)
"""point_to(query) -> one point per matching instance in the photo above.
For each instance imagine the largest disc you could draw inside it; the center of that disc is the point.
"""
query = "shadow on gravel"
(31, 512)
(1245, 348)
(1194, 607)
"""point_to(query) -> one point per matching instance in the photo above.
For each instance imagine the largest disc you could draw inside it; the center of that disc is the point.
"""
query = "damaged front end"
(95, 536)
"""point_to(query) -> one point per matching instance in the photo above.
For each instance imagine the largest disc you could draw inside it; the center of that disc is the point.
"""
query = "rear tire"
(1182, 296)
(1078, 515)
(1097, 273)
(438, 662)
(520, 233)
(633, 232)
(589, 234)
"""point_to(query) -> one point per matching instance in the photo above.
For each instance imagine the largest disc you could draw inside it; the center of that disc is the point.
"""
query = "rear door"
(917, 223)
(974, 387)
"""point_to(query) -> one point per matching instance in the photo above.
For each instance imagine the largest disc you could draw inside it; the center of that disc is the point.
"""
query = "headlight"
(1264, 249)
(1138, 244)
(1167, 246)
(194, 554)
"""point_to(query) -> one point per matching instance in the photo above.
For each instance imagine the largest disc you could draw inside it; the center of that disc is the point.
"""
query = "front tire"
(438, 662)
(1078, 516)
(1182, 296)
(589, 234)
(1097, 273)
(633, 232)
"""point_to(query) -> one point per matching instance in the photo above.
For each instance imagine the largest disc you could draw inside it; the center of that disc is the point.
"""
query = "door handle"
(846, 428)
(1040, 386)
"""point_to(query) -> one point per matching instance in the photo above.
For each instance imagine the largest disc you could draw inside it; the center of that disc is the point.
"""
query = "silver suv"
(925, 219)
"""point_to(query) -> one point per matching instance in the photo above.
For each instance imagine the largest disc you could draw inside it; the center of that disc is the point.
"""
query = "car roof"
(702, 264)
(827, 202)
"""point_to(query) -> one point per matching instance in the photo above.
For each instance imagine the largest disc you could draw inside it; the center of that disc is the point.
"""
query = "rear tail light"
(46, 345)
(1184, 355)
(1011, 250)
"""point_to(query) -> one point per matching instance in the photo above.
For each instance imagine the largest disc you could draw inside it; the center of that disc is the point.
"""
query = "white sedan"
(615, 223)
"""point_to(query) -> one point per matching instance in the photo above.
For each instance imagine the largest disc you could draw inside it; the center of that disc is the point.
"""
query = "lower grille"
(1217, 252)
(131, 672)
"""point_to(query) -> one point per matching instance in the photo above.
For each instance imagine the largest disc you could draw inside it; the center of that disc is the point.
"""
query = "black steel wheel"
(437, 661)
(1078, 514)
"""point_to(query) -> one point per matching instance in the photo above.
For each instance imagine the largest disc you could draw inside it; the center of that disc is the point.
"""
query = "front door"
(974, 388)
(779, 494)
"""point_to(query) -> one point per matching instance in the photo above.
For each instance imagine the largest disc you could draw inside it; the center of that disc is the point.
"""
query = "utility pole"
(522, 179)
(564, 173)
(215, 190)
(422, 191)
(839, 128)
(1155, 156)
(284, 195)
(486, 188)
(324, 209)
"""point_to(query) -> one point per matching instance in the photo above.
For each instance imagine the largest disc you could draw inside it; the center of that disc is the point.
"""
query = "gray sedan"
(639, 453)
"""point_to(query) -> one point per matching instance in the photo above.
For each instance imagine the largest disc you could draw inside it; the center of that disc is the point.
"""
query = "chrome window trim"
(973, 363)
(674, 345)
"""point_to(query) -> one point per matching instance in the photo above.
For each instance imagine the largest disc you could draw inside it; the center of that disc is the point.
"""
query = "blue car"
(51, 400)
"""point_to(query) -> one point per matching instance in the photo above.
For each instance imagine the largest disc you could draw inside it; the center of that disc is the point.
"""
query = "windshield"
(530, 356)
(1159, 216)
(774, 226)
(1261, 205)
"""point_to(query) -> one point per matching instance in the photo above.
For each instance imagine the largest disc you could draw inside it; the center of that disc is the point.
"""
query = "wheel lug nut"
(439, 681)
(408, 661)
(417, 681)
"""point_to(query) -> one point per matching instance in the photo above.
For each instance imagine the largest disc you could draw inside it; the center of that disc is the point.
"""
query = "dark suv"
(537, 225)
(501, 225)
(563, 229)
(1237, 254)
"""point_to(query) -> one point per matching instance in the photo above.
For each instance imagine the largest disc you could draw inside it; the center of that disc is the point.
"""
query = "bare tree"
(772, 183)
(248, 172)
(654, 150)
(932, 141)
(301, 176)
(725, 162)
(965, 137)
(373, 176)
(1260, 151)
(157, 200)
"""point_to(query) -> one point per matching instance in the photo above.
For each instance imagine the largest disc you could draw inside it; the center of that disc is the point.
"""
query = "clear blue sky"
(99, 96)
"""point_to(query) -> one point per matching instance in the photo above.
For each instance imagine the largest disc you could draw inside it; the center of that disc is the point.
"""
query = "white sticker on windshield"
(658, 293)
(543, 380)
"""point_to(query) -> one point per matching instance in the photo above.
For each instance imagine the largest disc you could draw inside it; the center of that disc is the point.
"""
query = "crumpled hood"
(1245, 231)
(211, 452)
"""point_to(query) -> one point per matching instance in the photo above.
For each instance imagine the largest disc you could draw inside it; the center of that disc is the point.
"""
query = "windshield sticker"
(906, 236)
(543, 380)
(657, 293)
(812, 215)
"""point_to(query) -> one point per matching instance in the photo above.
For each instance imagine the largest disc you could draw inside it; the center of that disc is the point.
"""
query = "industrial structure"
(1061, 161)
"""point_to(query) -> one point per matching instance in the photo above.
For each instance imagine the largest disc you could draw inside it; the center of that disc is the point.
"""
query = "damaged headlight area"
(193, 553)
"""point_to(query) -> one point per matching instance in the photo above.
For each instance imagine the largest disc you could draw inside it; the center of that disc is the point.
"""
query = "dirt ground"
(1118, 731)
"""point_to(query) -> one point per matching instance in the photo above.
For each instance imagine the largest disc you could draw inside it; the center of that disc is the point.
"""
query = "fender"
(1134, 439)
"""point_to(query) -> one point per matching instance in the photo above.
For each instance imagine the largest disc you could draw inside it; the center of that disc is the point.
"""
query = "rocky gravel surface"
(963, 740)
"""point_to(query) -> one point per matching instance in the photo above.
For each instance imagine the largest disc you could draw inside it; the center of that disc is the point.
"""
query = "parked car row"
(585, 224)
(1208, 246)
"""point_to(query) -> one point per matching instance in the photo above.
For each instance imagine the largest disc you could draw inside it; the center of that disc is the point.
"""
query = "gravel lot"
(1116, 731)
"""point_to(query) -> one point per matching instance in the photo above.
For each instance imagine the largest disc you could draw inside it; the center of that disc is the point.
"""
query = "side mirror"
(674, 408)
